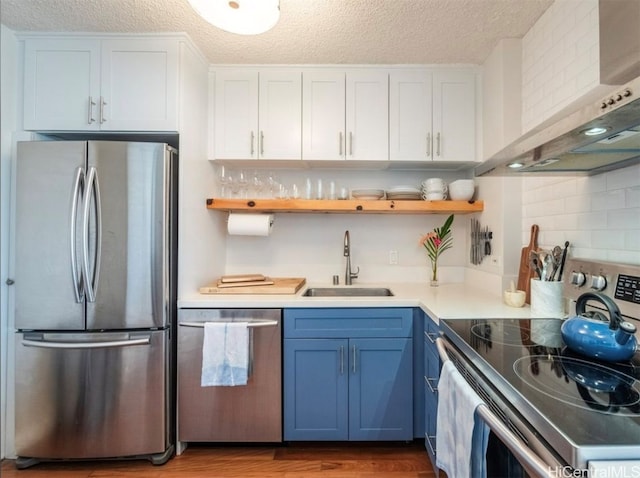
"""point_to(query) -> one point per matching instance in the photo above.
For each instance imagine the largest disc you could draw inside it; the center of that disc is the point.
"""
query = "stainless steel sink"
(347, 292)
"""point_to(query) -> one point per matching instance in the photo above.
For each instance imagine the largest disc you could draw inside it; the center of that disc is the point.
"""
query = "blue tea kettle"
(613, 341)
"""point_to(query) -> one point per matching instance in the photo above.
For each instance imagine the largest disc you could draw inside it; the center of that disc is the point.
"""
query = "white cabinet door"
(61, 84)
(367, 115)
(139, 85)
(323, 115)
(280, 115)
(410, 123)
(454, 116)
(236, 114)
(80, 84)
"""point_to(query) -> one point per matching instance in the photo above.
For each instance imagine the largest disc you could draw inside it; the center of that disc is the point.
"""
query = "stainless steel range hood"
(565, 147)
(562, 147)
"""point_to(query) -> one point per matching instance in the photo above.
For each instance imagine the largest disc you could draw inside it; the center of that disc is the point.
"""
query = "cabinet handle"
(430, 440)
(342, 360)
(92, 103)
(103, 103)
(350, 143)
(432, 389)
(253, 137)
(340, 143)
(428, 145)
(438, 144)
(261, 143)
(431, 337)
(354, 359)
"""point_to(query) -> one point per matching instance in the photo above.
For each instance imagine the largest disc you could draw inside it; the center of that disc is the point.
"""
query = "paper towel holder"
(270, 224)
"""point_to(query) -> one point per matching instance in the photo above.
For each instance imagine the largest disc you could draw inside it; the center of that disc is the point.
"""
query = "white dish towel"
(225, 354)
(461, 436)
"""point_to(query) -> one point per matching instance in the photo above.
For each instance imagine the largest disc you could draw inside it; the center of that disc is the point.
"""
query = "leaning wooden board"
(526, 272)
(281, 285)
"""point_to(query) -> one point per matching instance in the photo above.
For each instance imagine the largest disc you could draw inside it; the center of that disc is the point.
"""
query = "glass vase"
(434, 274)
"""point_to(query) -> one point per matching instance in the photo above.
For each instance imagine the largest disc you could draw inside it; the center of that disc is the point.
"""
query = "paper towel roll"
(250, 224)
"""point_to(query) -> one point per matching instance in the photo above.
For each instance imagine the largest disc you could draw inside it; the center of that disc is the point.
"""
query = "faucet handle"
(354, 275)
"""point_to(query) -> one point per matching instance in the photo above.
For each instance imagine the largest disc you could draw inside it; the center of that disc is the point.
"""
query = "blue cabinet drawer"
(341, 322)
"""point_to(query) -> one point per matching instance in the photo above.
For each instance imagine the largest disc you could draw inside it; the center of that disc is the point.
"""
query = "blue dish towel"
(461, 436)
(225, 354)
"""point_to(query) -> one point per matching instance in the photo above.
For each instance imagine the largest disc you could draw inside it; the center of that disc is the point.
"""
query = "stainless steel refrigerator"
(95, 226)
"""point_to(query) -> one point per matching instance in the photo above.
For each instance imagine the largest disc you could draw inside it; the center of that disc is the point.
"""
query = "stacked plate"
(367, 194)
(404, 193)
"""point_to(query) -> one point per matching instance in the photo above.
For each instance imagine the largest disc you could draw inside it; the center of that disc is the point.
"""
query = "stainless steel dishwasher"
(248, 413)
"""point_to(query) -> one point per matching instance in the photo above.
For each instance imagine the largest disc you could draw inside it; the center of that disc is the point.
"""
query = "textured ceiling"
(309, 31)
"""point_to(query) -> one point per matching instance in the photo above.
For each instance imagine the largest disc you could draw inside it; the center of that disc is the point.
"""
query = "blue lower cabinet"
(351, 388)
(381, 389)
(316, 389)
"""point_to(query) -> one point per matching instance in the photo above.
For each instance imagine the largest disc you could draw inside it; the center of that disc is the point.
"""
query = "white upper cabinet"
(139, 85)
(258, 114)
(454, 116)
(410, 115)
(432, 115)
(61, 84)
(367, 115)
(345, 115)
(90, 84)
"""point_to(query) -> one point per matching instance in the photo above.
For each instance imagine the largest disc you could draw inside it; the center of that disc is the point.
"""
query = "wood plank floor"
(325, 460)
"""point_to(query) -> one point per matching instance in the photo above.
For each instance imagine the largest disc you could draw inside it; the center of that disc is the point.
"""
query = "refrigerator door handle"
(78, 188)
(92, 190)
(86, 345)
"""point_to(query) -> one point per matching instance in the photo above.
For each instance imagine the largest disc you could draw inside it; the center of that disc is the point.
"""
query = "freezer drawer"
(92, 395)
(250, 413)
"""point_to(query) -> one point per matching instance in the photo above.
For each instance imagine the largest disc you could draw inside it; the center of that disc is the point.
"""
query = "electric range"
(575, 408)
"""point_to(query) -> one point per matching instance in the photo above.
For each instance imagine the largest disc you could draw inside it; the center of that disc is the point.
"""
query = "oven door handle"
(531, 462)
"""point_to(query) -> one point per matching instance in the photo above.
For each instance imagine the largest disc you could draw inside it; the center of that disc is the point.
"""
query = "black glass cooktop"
(585, 409)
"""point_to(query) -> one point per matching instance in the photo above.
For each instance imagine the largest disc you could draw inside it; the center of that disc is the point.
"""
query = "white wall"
(8, 95)
(502, 85)
(560, 61)
(599, 215)
(311, 245)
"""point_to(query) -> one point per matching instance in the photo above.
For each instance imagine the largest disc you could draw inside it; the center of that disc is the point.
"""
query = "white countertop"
(447, 301)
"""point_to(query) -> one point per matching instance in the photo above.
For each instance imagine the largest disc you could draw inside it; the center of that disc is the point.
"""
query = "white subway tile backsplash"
(633, 197)
(623, 219)
(592, 221)
(623, 178)
(607, 240)
(632, 240)
(608, 200)
(575, 204)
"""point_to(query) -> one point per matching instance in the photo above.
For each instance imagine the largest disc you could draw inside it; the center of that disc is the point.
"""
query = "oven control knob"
(598, 282)
(578, 279)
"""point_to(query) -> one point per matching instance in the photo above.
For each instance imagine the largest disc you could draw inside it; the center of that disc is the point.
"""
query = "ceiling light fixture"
(515, 165)
(244, 17)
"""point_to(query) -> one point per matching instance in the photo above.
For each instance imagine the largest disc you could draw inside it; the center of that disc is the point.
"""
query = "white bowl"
(462, 189)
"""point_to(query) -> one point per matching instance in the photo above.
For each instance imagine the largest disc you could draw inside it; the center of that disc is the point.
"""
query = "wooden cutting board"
(281, 285)
(526, 272)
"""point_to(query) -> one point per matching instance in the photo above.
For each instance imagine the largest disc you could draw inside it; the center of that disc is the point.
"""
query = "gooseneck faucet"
(348, 275)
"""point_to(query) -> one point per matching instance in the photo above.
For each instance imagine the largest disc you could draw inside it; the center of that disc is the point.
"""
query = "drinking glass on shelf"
(242, 180)
(224, 180)
(256, 188)
(273, 184)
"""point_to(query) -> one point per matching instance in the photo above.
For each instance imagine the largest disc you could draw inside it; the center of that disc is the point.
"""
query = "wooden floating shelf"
(346, 206)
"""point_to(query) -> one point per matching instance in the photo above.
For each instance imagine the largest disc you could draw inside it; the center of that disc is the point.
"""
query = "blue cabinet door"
(316, 391)
(381, 389)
